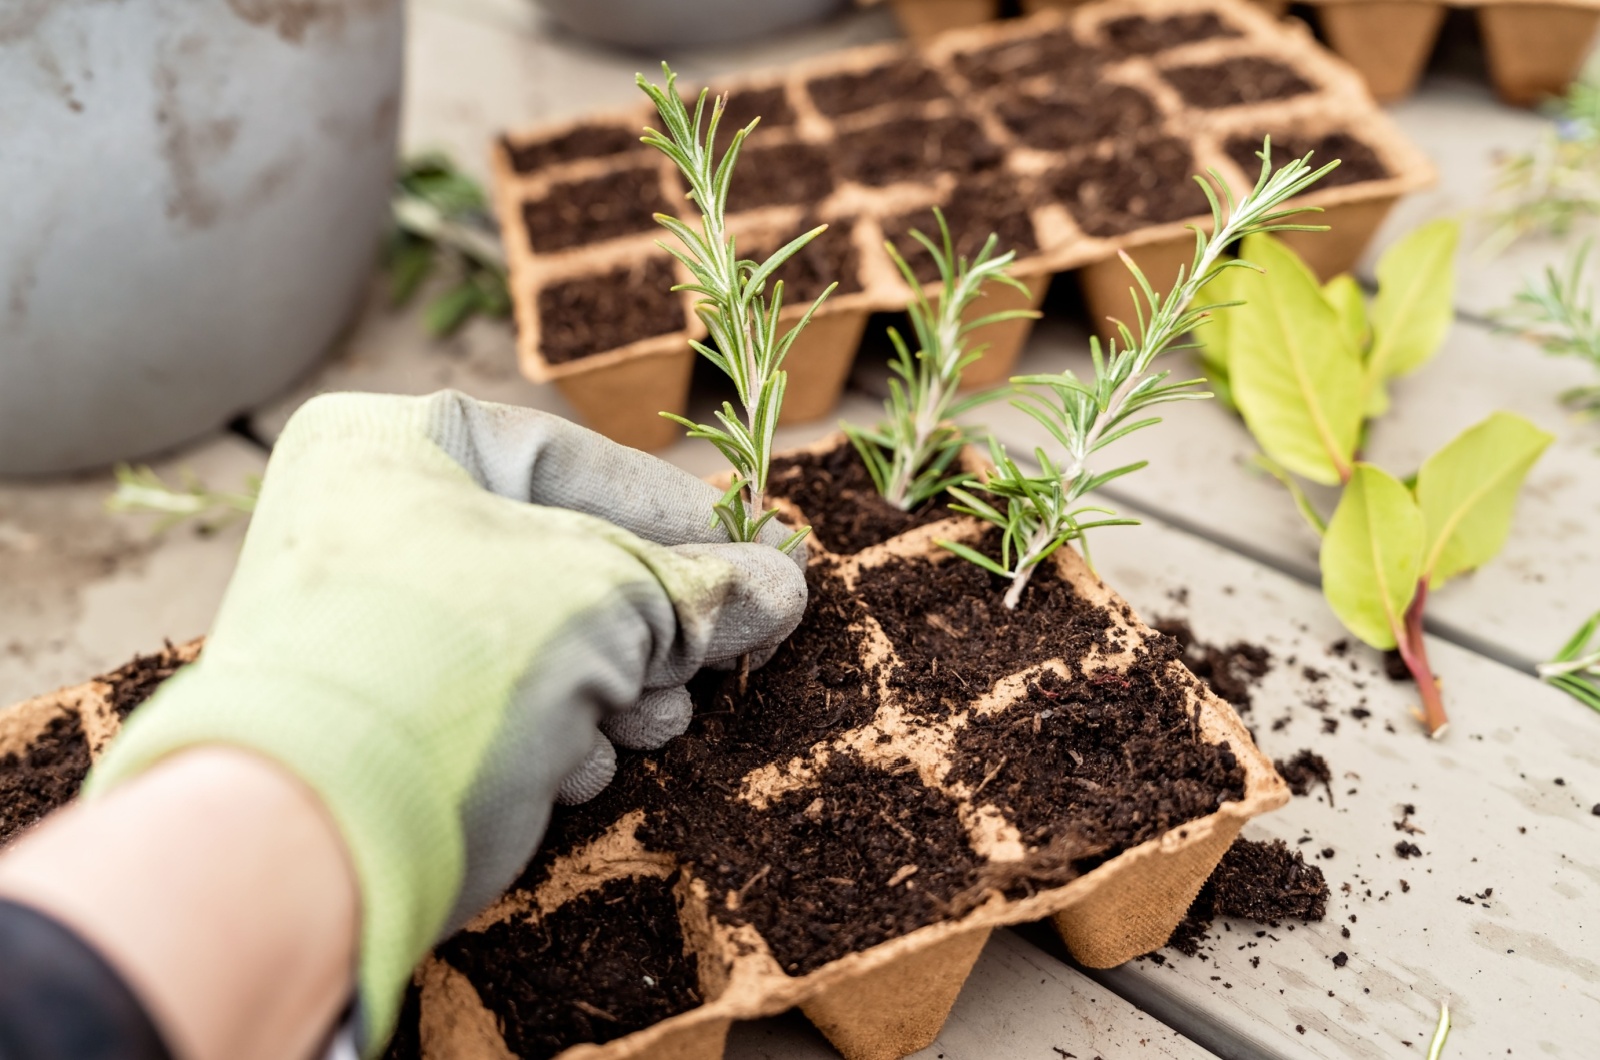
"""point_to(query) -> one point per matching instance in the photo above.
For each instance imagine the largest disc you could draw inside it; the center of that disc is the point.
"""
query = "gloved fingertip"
(590, 778)
(659, 715)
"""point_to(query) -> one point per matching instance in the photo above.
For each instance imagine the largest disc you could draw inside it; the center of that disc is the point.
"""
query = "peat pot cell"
(915, 149)
(1132, 185)
(955, 638)
(43, 776)
(845, 510)
(1075, 114)
(1137, 35)
(830, 257)
(1096, 765)
(784, 175)
(607, 963)
(905, 80)
(979, 206)
(589, 211)
(1235, 82)
(1357, 161)
(586, 141)
(744, 106)
(594, 314)
(1057, 53)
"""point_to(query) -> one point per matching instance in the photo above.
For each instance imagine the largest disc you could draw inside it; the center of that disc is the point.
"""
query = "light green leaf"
(1294, 374)
(1228, 285)
(1467, 491)
(1414, 307)
(1350, 306)
(1372, 556)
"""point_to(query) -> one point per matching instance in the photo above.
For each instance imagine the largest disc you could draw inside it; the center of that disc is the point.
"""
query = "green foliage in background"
(441, 219)
(141, 490)
(1554, 187)
(1556, 313)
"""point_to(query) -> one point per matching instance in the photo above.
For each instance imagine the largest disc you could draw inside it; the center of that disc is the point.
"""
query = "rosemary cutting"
(1576, 667)
(1556, 313)
(441, 214)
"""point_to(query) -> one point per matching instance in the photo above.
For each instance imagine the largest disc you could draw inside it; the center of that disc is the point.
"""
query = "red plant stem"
(1414, 653)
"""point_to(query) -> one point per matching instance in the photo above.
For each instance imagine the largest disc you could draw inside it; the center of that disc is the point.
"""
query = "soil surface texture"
(581, 212)
(608, 963)
(1230, 671)
(980, 206)
(585, 141)
(838, 497)
(1241, 80)
(1073, 114)
(1137, 35)
(771, 105)
(1262, 881)
(133, 682)
(1131, 184)
(47, 774)
(1058, 54)
(595, 314)
(1357, 161)
(832, 257)
(906, 80)
(780, 175)
(908, 149)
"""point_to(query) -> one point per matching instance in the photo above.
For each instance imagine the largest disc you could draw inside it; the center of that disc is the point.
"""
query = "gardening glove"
(440, 607)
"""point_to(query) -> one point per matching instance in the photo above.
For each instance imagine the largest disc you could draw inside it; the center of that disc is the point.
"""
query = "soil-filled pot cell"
(133, 682)
(585, 141)
(1130, 185)
(779, 175)
(744, 106)
(580, 212)
(830, 258)
(1091, 765)
(1075, 114)
(44, 775)
(593, 314)
(992, 203)
(1357, 161)
(837, 494)
(1057, 53)
(1137, 35)
(1236, 82)
(607, 963)
(913, 149)
(905, 80)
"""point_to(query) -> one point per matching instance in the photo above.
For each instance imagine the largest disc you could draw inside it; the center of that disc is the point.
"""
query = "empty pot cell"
(43, 776)
(1137, 35)
(904, 80)
(1236, 82)
(1132, 185)
(914, 149)
(1357, 161)
(1091, 766)
(605, 964)
(585, 141)
(830, 258)
(1075, 114)
(594, 314)
(781, 175)
(978, 207)
(590, 211)
(1058, 53)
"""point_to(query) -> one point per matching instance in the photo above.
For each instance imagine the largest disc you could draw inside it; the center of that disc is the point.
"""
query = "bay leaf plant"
(912, 453)
(740, 316)
(1039, 511)
(1556, 313)
(1305, 387)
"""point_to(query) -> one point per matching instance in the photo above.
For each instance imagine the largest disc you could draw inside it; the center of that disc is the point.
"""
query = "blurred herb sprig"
(1557, 313)
(141, 490)
(1554, 186)
(441, 216)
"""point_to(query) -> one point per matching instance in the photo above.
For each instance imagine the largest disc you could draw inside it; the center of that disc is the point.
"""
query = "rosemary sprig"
(441, 213)
(740, 319)
(1555, 186)
(1575, 669)
(1042, 511)
(910, 453)
(1557, 313)
(140, 489)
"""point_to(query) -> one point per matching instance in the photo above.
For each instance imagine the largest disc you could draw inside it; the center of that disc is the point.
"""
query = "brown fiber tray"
(1533, 48)
(877, 1003)
(1073, 146)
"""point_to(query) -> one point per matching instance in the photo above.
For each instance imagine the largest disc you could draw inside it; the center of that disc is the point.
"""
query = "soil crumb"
(1305, 770)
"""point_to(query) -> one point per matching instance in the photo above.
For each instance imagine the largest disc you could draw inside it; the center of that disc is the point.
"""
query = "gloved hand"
(439, 608)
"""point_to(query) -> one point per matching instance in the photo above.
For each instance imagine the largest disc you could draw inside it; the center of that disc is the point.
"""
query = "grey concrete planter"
(191, 197)
(656, 24)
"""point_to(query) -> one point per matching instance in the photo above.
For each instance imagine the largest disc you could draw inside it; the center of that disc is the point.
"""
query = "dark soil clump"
(780, 175)
(1074, 115)
(906, 80)
(45, 775)
(1230, 671)
(1304, 771)
(604, 965)
(581, 212)
(1357, 161)
(585, 141)
(1265, 882)
(1058, 54)
(979, 206)
(1137, 35)
(1130, 185)
(838, 497)
(1241, 80)
(135, 681)
(908, 149)
(595, 314)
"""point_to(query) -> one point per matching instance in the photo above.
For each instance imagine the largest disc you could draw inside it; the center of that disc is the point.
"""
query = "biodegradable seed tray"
(1074, 135)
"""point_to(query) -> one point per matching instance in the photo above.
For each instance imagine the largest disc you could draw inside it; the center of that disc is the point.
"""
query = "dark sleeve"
(60, 1000)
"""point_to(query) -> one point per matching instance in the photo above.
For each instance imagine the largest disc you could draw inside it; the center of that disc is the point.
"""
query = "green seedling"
(1039, 512)
(1576, 667)
(141, 490)
(741, 319)
(1557, 314)
(441, 216)
(913, 452)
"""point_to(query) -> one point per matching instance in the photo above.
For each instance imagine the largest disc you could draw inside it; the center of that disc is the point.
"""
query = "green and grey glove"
(442, 609)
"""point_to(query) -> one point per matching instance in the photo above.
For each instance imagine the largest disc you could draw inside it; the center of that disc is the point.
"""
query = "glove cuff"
(406, 845)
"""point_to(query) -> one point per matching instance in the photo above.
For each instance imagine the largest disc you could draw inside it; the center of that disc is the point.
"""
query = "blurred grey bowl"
(655, 24)
(191, 199)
